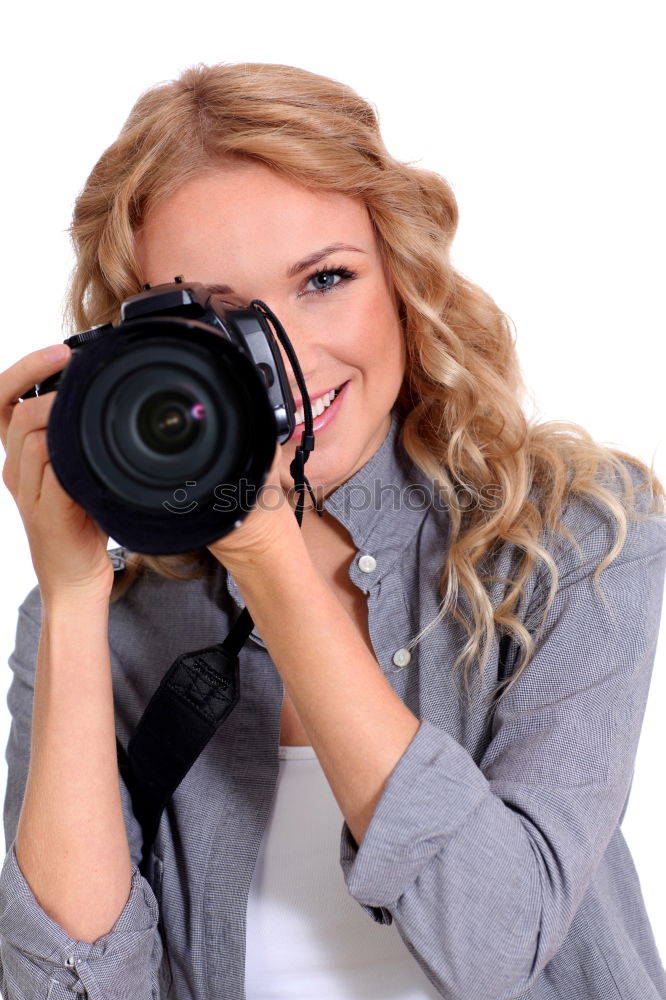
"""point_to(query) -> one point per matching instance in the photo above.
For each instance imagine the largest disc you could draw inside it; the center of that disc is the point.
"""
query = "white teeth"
(318, 406)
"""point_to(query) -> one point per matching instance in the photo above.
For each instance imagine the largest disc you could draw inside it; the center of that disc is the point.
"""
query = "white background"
(547, 119)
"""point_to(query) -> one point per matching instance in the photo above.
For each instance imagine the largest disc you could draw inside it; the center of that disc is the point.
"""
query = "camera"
(179, 405)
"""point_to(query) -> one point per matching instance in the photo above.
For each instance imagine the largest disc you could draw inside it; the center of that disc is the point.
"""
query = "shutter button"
(402, 657)
(367, 564)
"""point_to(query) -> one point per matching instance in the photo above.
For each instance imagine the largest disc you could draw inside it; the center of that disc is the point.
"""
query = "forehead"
(240, 211)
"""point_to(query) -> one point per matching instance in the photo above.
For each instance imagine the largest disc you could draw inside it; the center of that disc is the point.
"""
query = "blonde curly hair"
(462, 395)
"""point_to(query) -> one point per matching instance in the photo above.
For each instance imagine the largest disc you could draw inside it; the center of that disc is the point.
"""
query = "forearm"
(358, 726)
(71, 842)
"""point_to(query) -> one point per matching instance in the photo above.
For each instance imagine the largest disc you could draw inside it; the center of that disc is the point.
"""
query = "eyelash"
(342, 272)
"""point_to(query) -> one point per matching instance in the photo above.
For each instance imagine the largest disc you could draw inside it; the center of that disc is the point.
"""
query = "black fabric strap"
(194, 697)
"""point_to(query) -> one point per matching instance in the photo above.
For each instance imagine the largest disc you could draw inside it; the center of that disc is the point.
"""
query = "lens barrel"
(154, 420)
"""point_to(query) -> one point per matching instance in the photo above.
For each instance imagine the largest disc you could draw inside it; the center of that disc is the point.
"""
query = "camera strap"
(202, 687)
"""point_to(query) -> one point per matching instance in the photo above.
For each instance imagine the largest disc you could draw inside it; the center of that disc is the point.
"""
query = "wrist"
(75, 601)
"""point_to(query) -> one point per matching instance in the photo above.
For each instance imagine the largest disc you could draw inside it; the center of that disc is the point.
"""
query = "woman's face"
(313, 258)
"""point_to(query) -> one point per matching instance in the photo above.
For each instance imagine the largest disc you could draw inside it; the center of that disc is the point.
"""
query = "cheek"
(385, 334)
(365, 333)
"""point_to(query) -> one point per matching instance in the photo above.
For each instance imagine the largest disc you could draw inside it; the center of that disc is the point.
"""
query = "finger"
(277, 460)
(35, 458)
(52, 493)
(15, 381)
(28, 417)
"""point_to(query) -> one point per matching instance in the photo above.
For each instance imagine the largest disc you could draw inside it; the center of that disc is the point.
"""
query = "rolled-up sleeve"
(38, 959)
(484, 867)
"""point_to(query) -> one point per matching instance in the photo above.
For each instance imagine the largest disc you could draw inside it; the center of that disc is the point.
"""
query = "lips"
(325, 418)
(298, 400)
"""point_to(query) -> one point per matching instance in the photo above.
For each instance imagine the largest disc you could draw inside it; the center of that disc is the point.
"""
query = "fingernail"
(59, 352)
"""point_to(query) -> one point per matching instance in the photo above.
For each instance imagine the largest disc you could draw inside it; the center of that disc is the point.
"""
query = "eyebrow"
(314, 258)
(302, 265)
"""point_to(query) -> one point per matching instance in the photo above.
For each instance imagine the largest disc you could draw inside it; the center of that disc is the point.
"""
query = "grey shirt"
(496, 845)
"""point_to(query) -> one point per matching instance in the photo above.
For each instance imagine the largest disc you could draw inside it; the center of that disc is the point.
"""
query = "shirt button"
(367, 564)
(70, 962)
(401, 657)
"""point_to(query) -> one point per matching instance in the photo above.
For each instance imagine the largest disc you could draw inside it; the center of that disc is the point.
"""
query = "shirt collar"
(383, 504)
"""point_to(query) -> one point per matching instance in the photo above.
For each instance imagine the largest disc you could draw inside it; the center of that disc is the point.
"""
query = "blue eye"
(327, 280)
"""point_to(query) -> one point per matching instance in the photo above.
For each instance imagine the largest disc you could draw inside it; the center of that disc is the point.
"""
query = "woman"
(445, 685)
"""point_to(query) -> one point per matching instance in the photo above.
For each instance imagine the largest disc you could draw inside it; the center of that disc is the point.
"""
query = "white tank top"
(306, 935)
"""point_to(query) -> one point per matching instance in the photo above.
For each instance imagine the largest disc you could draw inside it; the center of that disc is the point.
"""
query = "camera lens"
(165, 414)
(169, 422)
(166, 403)
(165, 419)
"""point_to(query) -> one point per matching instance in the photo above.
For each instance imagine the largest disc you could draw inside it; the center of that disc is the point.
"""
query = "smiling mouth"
(327, 415)
(319, 405)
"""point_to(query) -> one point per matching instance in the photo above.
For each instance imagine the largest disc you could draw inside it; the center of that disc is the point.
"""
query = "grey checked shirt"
(496, 845)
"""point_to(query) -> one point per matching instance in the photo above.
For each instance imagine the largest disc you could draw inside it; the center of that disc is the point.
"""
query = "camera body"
(165, 425)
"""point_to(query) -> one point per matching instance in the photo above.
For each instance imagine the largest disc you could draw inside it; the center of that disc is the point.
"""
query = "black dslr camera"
(174, 411)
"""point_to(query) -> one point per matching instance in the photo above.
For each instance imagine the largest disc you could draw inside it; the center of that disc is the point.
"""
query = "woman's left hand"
(269, 522)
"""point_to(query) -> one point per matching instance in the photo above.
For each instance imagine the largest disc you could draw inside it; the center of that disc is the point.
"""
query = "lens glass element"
(169, 422)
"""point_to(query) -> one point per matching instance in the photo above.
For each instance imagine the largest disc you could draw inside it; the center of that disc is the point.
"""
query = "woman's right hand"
(68, 548)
